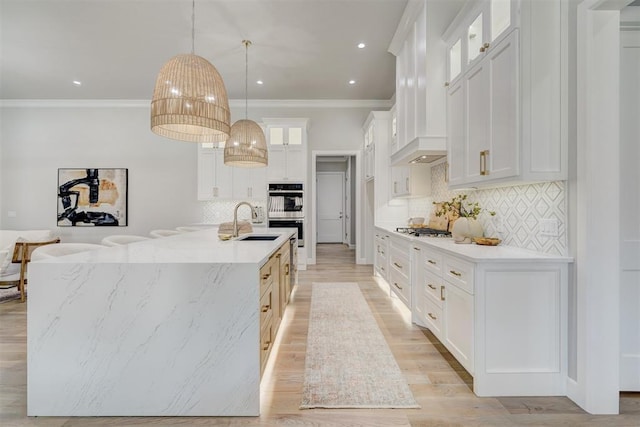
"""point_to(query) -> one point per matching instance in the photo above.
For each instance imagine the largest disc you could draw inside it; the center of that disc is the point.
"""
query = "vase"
(466, 229)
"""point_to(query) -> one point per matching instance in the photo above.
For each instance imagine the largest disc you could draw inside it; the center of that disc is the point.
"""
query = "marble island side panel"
(143, 339)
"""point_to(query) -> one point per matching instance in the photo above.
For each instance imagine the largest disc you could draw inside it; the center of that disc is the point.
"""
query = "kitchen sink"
(259, 237)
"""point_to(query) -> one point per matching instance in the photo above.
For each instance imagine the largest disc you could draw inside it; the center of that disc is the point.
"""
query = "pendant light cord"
(246, 78)
(193, 27)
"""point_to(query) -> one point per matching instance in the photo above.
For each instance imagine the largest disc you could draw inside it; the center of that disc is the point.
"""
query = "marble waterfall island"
(164, 327)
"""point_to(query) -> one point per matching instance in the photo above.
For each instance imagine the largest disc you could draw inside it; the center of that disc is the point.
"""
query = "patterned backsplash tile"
(519, 209)
(219, 211)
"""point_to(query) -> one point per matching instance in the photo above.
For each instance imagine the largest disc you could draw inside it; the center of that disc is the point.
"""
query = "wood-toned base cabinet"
(275, 289)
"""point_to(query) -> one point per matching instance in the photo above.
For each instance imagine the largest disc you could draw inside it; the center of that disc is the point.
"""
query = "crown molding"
(233, 103)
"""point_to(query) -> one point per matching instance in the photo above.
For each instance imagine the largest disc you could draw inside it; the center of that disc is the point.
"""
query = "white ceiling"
(302, 49)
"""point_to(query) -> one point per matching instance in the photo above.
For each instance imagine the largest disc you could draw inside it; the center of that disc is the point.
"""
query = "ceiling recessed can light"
(352, 82)
(259, 82)
(77, 82)
(361, 45)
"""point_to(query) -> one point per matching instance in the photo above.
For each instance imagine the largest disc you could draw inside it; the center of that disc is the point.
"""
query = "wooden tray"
(487, 241)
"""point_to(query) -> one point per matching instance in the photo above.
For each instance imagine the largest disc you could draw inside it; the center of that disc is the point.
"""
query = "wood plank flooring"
(440, 385)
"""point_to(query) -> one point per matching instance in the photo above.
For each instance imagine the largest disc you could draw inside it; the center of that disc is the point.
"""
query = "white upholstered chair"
(163, 233)
(189, 228)
(62, 249)
(122, 239)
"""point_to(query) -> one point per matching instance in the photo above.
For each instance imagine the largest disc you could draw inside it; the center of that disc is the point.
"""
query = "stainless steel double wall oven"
(286, 207)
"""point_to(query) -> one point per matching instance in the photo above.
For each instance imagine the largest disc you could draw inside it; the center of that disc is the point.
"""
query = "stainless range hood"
(421, 150)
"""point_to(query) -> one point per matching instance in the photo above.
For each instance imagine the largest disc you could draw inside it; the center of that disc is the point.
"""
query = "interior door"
(629, 220)
(330, 203)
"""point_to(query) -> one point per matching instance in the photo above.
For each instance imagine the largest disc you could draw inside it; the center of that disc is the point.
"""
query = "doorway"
(335, 188)
(331, 205)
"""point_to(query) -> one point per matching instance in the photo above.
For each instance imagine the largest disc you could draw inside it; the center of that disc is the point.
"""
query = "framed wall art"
(92, 197)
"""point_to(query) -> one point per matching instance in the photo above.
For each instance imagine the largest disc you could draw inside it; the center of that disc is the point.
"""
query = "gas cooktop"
(423, 232)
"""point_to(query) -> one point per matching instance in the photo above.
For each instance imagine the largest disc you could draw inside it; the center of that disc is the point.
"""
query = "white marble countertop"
(201, 246)
(475, 253)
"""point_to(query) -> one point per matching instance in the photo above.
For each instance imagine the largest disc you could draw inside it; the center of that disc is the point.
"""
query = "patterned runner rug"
(348, 362)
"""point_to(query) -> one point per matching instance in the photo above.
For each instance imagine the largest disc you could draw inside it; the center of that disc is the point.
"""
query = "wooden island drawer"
(268, 274)
(266, 306)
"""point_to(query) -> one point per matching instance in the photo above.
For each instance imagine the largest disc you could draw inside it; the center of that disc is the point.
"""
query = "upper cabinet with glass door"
(507, 77)
(486, 23)
(287, 141)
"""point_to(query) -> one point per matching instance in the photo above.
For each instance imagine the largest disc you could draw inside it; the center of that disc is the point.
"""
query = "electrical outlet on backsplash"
(520, 210)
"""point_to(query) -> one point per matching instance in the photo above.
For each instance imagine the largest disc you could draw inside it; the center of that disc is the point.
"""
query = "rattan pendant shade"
(190, 101)
(246, 146)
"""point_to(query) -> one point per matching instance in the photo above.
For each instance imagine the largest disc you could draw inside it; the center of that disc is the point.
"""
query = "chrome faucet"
(254, 215)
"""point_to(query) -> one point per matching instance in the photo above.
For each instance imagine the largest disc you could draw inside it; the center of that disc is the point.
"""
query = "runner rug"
(348, 362)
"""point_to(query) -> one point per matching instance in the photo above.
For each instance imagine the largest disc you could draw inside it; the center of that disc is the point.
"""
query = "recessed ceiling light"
(260, 82)
(361, 45)
(77, 82)
(352, 82)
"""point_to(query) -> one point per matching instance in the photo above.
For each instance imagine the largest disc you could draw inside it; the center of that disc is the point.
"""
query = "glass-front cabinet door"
(475, 38)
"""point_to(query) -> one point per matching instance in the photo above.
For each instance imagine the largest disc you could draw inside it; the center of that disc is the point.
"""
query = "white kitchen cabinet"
(250, 183)
(381, 260)
(287, 142)
(400, 269)
(492, 115)
(369, 152)
(501, 312)
(456, 133)
(478, 27)
(420, 63)
(369, 162)
(411, 181)
(377, 131)
(504, 112)
(214, 177)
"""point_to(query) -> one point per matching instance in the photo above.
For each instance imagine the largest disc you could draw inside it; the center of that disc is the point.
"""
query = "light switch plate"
(549, 227)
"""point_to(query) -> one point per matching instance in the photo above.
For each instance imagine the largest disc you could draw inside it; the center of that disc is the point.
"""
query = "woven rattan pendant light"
(190, 100)
(246, 146)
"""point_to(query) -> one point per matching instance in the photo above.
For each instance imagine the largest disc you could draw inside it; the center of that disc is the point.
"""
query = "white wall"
(37, 138)
(38, 141)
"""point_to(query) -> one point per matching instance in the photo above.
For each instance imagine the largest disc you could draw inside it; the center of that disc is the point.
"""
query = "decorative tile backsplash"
(519, 210)
(216, 212)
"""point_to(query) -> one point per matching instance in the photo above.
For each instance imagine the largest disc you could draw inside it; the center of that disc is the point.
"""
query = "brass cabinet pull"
(483, 162)
(286, 269)
(397, 286)
(430, 261)
(382, 252)
(431, 286)
(266, 276)
(406, 184)
(397, 265)
(278, 256)
(446, 84)
(382, 268)
(265, 308)
(442, 293)
(266, 345)
(455, 273)
(432, 316)
(484, 47)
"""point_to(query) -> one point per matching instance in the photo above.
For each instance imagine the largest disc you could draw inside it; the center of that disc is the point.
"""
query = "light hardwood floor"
(439, 383)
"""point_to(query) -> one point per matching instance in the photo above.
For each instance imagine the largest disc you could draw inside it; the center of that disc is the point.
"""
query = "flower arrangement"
(459, 206)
